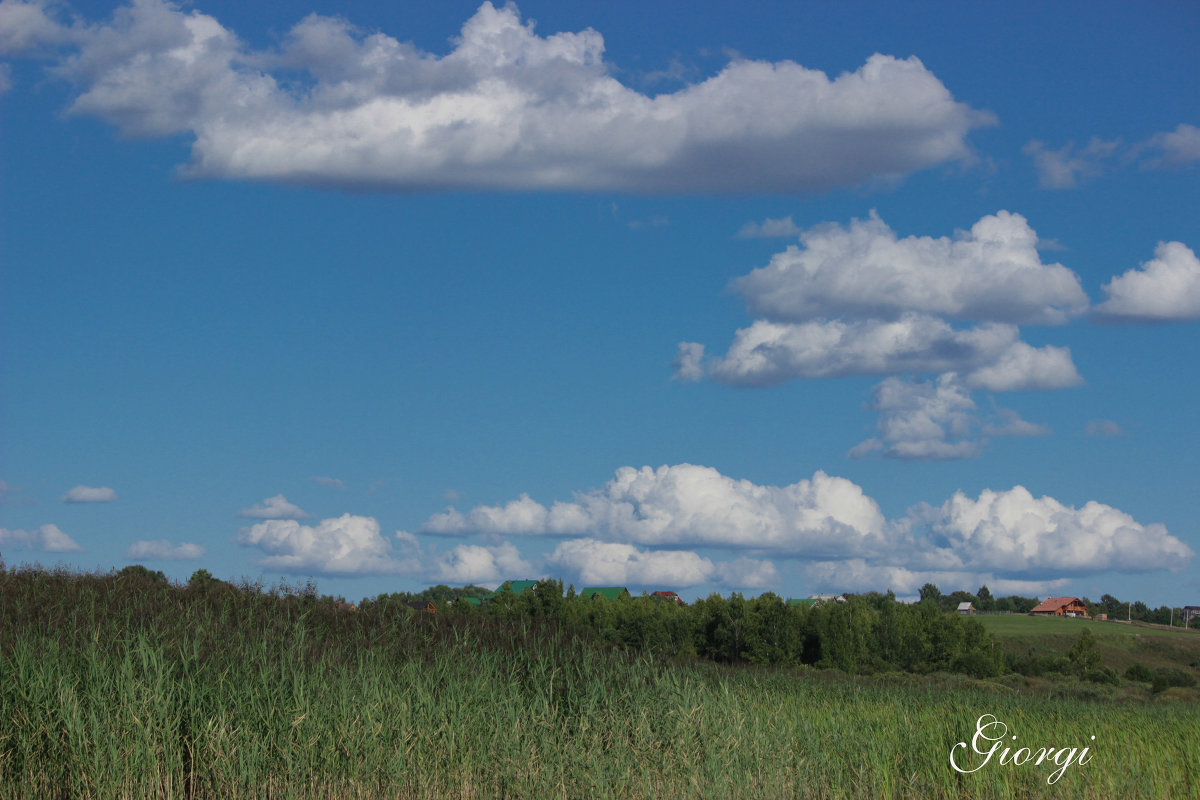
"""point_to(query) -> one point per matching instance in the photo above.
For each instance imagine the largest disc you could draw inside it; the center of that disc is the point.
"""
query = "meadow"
(115, 686)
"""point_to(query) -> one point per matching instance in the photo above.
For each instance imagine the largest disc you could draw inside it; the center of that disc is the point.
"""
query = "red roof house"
(1061, 607)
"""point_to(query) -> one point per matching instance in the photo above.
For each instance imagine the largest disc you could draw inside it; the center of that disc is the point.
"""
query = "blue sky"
(696, 297)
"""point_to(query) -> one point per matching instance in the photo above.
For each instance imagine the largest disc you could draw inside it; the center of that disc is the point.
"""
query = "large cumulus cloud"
(992, 272)
(687, 504)
(1164, 289)
(505, 109)
(345, 545)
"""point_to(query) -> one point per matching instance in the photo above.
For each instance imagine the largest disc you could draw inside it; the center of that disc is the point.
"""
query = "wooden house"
(966, 608)
(668, 596)
(423, 606)
(1060, 607)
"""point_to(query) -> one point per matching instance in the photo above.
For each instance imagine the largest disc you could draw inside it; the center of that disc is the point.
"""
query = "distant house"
(423, 606)
(474, 601)
(668, 596)
(1190, 613)
(966, 608)
(607, 592)
(1060, 607)
(807, 602)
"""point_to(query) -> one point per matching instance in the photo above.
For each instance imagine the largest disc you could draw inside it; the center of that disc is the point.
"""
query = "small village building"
(1190, 613)
(423, 606)
(966, 608)
(669, 596)
(607, 592)
(1060, 607)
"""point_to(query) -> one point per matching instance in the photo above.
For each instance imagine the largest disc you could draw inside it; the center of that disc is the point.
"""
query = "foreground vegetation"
(126, 686)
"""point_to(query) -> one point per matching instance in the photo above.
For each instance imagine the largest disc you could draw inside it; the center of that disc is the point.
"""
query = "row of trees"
(1107, 604)
(867, 633)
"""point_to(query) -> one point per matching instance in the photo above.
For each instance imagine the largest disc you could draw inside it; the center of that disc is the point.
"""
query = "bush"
(1167, 677)
(977, 665)
(1140, 673)
(1102, 675)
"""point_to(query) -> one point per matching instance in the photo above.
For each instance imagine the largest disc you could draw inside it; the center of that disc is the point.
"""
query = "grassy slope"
(1120, 645)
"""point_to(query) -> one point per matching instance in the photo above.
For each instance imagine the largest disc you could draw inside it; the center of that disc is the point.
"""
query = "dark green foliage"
(985, 602)
(931, 592)
(1166, 677)
(1139, 672)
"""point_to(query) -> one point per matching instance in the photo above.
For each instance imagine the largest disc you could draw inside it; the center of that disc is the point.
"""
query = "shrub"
(1139, 672)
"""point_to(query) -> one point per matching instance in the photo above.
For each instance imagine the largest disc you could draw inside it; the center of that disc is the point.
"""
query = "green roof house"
(607, 592)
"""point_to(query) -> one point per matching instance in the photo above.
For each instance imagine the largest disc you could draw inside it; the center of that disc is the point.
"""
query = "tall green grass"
(113, 689)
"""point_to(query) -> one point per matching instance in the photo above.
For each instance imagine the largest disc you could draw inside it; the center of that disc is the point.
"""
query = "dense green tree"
(931, 592)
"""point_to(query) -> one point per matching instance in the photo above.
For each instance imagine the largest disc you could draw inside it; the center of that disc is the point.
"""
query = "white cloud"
(162, 550)
(1062, 169)
(747, 573)
(25, 26)
(506, 109)
(1166, 288)
(770, 229)
(689, 362)
(613, 563)
(926, 421)
(692, 505)
(856, 575)
(1179, 147)
(1103, 427)
(347, 545)
(89, 494)
(1012, 533)
(490, 565)
(936, 421)
(276, 507)
(990, 356)
(332, 483)
(48, 538)
(642, 529)
(1008, 540)
(864, 271)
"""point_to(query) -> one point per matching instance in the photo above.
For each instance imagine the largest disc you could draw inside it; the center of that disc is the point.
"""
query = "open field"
(1120, 645)
(110, 690)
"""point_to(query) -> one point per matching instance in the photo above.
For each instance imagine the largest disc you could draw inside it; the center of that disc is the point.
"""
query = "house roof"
(965, 606)
(609, 592)
(1055, 603)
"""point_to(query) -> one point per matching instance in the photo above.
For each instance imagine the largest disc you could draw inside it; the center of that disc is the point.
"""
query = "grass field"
(1120, 644)
(112, 690)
